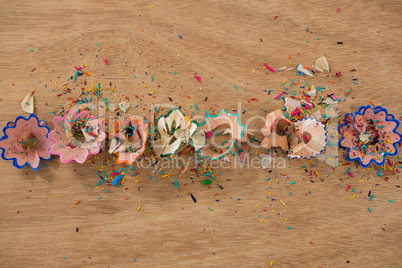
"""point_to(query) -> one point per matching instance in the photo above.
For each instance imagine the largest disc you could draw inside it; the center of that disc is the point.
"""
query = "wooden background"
(219, 39)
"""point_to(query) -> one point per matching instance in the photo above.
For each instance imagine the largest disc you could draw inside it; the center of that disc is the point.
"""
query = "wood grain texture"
(170, 230)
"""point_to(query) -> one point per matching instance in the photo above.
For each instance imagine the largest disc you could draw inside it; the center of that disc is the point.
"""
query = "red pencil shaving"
(209, 134)
(269, 68)
(280, 95)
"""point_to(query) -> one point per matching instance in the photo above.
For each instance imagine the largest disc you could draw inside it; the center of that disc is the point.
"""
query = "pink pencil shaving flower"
(369, 135)
(76, 136)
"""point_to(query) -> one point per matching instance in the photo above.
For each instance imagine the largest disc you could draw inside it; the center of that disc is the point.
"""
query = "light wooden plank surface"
(219, 39)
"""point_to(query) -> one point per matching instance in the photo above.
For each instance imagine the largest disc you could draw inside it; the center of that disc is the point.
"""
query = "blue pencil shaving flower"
(25, 141)
(369, 135)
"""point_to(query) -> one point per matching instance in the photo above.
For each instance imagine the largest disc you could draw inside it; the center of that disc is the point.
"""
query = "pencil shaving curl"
(238, 135)
(369, 135)
(302, 146)
(175, 128)
(12, 142)
(27, 104)
(294, 141)
(271, 137)
(128, 139)
(76, 136)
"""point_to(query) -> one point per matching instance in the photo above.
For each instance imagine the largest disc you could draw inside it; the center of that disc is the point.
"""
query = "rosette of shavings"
(172, 129)
(237, 133)
(128, 139)
(307, 138)
(76, 136)
(25, 141)
(369, 135)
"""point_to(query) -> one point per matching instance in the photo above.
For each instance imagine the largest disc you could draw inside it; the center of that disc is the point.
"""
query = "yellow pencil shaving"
(138, 209)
